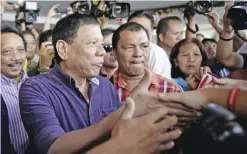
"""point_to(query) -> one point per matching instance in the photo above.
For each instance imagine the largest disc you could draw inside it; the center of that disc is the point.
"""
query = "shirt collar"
(119, 80)
(8, 80)
(58, 72)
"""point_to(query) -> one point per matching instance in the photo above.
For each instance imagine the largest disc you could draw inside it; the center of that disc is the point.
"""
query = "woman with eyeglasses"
(110, 64)
(189, 64)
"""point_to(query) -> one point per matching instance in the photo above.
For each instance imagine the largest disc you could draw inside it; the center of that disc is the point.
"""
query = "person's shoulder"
(36, 80)
(159, 77)
(168, 81)
(157, 48)
(158, 51)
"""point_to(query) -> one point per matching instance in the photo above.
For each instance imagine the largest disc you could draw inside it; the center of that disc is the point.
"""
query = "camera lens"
(203, 7)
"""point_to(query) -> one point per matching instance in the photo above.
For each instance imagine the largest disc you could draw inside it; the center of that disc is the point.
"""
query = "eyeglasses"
(107, 47)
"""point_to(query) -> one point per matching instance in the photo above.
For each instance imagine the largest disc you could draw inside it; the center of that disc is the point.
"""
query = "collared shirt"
(10, 92)
(158, 84)
(51, 106)
(159, 61)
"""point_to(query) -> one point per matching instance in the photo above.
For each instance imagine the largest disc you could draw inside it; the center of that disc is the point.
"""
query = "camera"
(217, 133)
(201, 7)
(237, 15)
(30, 10)
(112, 10)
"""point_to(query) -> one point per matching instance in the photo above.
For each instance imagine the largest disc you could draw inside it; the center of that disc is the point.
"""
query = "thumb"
(145, 82)
(129, 109)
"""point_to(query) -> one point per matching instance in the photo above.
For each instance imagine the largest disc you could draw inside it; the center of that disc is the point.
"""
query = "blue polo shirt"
(51, 105)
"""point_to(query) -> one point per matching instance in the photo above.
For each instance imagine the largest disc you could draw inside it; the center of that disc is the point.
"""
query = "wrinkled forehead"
(90, 31)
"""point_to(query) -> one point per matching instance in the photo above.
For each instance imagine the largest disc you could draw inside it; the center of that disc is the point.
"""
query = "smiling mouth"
(15, 66)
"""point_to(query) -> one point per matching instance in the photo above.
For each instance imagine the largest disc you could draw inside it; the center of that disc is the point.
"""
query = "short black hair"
(129, 26)
(11, 29)
(205, 40)
(107, 31)
(66, 29)
(175, 71)
(163, 25)
(146, 14)
(44, 36)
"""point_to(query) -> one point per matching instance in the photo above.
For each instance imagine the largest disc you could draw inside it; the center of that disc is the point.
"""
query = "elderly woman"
(189, 63)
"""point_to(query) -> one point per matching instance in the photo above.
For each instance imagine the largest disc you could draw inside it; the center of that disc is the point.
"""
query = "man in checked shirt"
(131, 47)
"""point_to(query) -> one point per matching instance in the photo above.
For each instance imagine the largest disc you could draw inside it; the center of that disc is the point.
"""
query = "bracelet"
(224, 39)
(232, 99)
(191, 30)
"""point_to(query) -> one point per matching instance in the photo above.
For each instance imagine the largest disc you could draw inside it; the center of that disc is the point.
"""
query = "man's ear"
(62, 49)
(114, 53)
(161, 37)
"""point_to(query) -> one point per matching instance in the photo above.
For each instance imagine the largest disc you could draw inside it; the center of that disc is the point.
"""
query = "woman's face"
(189, 59)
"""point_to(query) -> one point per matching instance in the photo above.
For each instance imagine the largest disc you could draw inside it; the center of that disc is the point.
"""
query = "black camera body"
(237, 15)
(217, 133)
(201, 7)
(113, 9)
(30, 10)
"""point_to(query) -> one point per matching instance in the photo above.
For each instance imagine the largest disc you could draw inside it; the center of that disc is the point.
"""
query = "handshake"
(149, 123)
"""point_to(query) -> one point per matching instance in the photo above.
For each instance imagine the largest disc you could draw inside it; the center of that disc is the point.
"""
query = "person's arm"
(220, 96)
(200, 98)
(192, 26)
(52, 12)
(151, 135)
(213, 19)
(23, 26)
(225, 54)
(44, 128)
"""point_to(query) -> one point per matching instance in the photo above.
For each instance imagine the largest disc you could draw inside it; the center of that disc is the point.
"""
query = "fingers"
(170, 97)
(203, 71)
(166, 146)
(156, 114)
(167, 122)
(190, 77)
(222, 81)
(168, 137)
(129, 109)
(179, 112)
(187, 119)
(179, 106)
(144, 84)
(56, 6)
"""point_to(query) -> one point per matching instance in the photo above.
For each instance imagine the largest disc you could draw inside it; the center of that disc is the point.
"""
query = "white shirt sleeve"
(159, 61)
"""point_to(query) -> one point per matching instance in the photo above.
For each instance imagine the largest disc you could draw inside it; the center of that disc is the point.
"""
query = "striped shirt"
(159, 84)
(10, 93)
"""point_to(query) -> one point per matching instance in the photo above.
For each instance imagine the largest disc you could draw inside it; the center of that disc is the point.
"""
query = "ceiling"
(135, 5)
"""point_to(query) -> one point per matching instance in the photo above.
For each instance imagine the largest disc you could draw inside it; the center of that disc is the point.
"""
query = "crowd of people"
(85, 88)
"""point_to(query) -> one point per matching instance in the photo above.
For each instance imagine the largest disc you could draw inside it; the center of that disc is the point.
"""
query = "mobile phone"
(62, 9)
